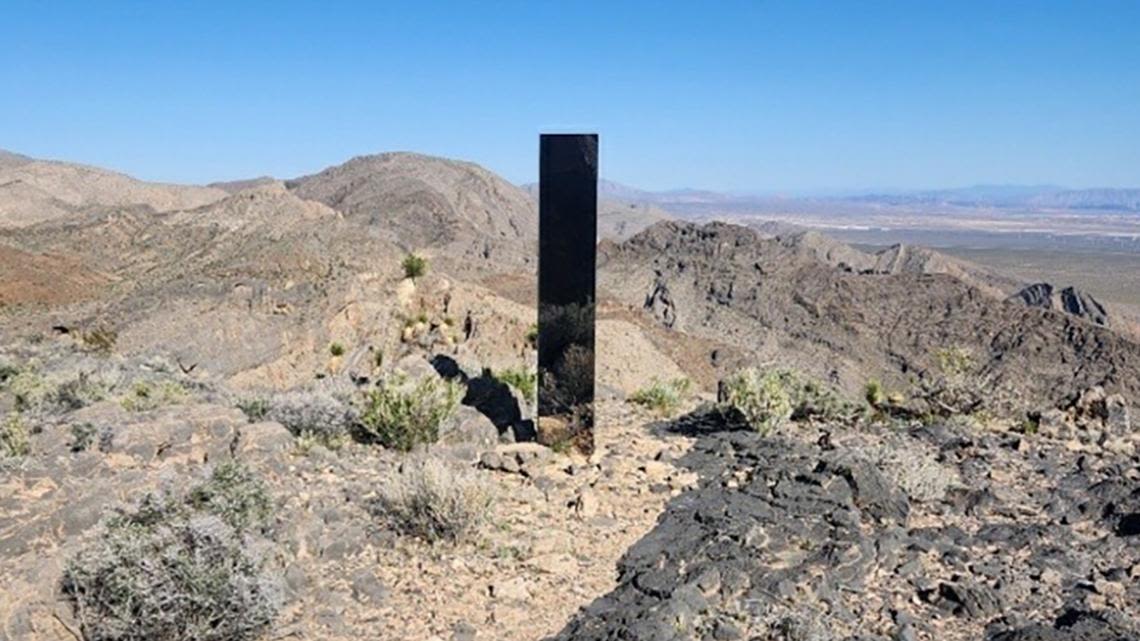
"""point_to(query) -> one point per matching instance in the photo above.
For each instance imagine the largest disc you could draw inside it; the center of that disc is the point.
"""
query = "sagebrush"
(177, 569)
(434, 500)
(314, 415)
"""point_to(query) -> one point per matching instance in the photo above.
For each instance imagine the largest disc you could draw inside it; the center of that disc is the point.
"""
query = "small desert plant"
(958, 388)
(79, 392)
(336, 349)
(83, 436)
(316, 417)
(874, 393)
(913, 470)
(763, 399)
(167, 571)
(434, 500)
(525, 381)
(532, 335)
(7, 373)
(234, 494)
(570, 381)
(814, 400)
(100, 339)
(663, 397)
(30, 390)
(400, 414)
(144, 396)
(414, 266)
(255, 408)
(14, 441)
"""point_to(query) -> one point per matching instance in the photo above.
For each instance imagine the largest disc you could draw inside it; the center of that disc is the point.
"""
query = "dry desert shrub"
(915, 471)
(177, 569)
(145, 396)
(434, 500)
(316, 416)
(14, 441)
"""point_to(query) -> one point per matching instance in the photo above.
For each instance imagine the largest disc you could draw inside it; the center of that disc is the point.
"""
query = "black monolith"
(567, 257)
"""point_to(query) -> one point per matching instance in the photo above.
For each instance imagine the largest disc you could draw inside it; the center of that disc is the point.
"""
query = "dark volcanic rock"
(782, 539)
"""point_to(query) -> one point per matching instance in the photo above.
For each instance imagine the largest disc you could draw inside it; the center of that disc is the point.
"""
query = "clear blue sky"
(722, 95)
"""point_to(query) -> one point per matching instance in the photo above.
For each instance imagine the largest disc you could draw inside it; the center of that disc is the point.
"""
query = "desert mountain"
(253, 284)
(418, 201)
(9, 159)
(768, 301)
(33, 191)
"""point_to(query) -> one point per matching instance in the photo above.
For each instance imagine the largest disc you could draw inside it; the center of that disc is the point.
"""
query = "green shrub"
(662, 397)
(234, 494)
(767, 399)
(82, 436)
(254, 408)
(144, 396)
(525, 381)
(532, 335)
(336, 349)
(436, 501)
(30, 390)
(400, 414)
(958, 387)
(168, 572)
(414, 266)
(874, 393)
(14, 441)
(762, 399)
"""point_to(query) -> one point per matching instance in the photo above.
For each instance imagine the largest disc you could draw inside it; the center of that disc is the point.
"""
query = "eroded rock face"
(1069, 300)
(784, 539)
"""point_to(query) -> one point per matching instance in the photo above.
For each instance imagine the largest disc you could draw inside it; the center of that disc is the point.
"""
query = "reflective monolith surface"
(567, 248)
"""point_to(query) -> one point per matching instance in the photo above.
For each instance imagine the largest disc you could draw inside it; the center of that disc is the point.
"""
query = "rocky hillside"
(419, 201)
(33, 191)
(255, 285)
(771, 301)
(934, 532)
(244, 418)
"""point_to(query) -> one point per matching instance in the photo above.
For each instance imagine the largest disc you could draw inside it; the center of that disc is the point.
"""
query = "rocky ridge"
(932, 532)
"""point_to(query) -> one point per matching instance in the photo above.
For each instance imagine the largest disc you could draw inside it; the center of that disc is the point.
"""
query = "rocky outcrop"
(770, 301)
(1069, 300)
(785, 539)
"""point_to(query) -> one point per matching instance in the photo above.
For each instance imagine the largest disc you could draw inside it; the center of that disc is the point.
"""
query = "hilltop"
(954, 456)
